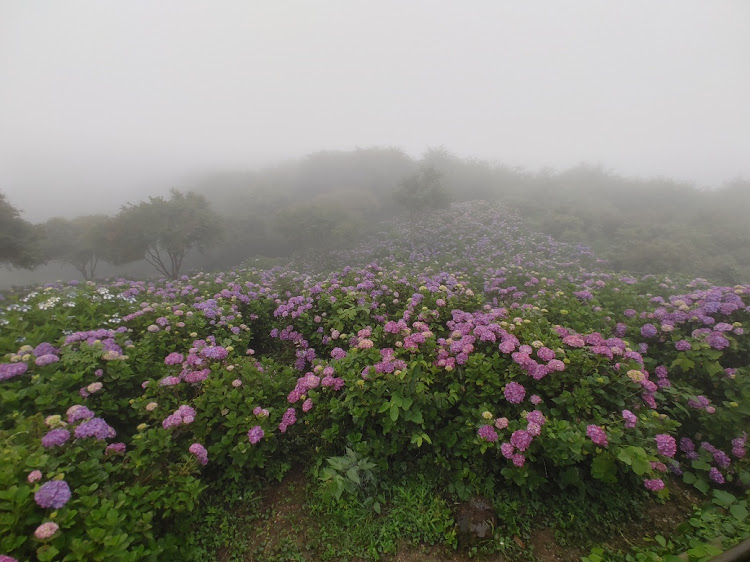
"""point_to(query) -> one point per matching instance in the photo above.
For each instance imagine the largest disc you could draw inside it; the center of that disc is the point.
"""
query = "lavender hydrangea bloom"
(683, 345)
(55, 438)
(45, 348)
(174, 359)
(44, 360)
(10, 370)
(200, 453)
(715, 475)
(630, 419)
(717, 341)
(507, 450)
(597, 435)
(115, 448)
(255, 434)
(521, 439)
(182, 415)
(78, 412)
(519, 460)
(487, 433)
(666, 445)
(289, 418)
(514, 392)
(654, 485)
(648, 330)
(54, 493)
(95, 427)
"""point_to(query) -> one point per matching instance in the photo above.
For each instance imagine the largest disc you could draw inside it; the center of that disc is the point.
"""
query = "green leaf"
(713, 368)
(739, 511)
(570, 477)
(353, 475)
(702, 485)
(603, 468)
(688, 477)
(724, 499)
(394, 413)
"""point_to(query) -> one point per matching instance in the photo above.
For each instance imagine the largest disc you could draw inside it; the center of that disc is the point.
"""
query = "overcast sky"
(104, 101)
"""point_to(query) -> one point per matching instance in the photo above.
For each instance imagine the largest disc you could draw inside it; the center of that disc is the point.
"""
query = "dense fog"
(300, 123)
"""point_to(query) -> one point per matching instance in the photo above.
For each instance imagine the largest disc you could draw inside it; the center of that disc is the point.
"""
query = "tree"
(422, 191)
(19, 239)
(162, 231)
(81, 242)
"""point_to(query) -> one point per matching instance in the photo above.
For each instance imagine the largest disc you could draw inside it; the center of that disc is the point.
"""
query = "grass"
(296, 520)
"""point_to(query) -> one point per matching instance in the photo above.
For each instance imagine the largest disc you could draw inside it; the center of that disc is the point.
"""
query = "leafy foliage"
(162, 231)
(19, 239)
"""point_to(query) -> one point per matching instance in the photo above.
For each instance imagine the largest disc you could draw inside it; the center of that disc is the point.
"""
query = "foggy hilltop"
(388, 280)
(609, 125)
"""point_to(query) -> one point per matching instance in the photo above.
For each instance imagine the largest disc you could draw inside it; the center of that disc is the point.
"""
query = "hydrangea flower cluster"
(289, 418)
(45, 531)
(200, 453)
(487, 433)
(95, 427)
(597, 435)
(183, 415)
(255, 434)
(666, 445)
(630, 419)
(514, 392)
(54, 494)
(78, 412)
(654, 485)
(55, 438)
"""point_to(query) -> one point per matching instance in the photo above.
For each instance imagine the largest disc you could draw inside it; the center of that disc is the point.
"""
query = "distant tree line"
(335, 199)
(160, 231)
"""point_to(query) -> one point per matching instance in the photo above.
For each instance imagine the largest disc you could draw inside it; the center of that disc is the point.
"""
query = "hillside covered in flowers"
(461, 346)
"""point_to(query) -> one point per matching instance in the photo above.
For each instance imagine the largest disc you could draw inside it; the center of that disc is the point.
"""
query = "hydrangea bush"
(463, 346)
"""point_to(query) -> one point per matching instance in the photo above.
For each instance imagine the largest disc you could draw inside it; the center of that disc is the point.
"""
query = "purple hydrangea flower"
(630, 419)
(289, 418)
(514, 392)
(666, 445)
(54, 493)
(115, 448)
(521, 439)
(535, 416)
(519, 460)
(597, 435)
(654, 485)
(45, 348)
(683, 345)
(545, 354)
(255, 434)
(95, 427)
(200, 453)
(648, 330)
(174, 359)
(47, 359)
(55, 438)
(488, 433)
(507, 450)
(10, 370)
(78, 412)
(715, 475)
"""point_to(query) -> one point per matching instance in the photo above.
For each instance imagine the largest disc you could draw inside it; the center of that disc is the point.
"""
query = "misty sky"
(105, 101)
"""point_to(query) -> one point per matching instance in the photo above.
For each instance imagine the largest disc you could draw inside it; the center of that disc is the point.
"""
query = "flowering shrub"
(496, 357)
